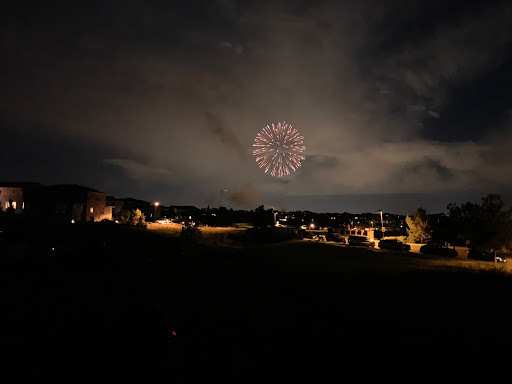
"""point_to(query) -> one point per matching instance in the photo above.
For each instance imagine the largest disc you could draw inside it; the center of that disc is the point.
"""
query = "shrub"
(135, 217)
(191, 233)
(125, 217)
(138, 218)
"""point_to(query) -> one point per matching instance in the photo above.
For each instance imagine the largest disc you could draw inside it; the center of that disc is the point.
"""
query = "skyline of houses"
(78, 203)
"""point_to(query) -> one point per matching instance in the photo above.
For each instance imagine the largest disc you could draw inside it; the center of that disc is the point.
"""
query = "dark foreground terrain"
(114, 304)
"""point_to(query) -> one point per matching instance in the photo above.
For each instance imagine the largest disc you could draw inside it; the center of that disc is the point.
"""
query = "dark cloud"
(225, 134)
(393, 97)
(277, 180)
(322, 161)
(140, 171)
(35, 154)
(247, 197)
(426, 169)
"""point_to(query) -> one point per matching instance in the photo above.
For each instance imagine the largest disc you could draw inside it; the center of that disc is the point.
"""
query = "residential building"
(184, 212)
(17, 195)
(71, 202)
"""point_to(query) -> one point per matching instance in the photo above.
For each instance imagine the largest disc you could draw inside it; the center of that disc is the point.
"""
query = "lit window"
(91, 209)
(23, 205)
(14, 204)
(6, 205)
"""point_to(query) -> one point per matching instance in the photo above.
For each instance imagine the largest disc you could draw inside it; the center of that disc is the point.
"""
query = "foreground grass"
(294, 311)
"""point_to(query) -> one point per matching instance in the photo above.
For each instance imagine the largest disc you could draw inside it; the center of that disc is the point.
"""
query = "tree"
(487, 225)
(138, 218)
(418, 230)
(135, 217)
(263, 217)
(126, 217)
(497, 230)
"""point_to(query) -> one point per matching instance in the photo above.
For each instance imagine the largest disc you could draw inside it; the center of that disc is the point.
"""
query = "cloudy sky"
(401, 103)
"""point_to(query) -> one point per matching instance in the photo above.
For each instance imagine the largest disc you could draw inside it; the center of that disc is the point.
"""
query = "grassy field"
(227, 237)
(211, 235)
(298, 311)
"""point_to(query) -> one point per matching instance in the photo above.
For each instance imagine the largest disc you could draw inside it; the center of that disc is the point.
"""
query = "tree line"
(485, 225)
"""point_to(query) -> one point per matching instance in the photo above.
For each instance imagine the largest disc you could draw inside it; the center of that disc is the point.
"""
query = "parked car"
(394, 245)
(360, 240)
(163, 220)
(439, 250)
(475, 254)
(335, 238)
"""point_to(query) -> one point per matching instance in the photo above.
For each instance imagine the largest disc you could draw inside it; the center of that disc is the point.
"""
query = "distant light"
(157, 203)
(72, 221)
(53, 249)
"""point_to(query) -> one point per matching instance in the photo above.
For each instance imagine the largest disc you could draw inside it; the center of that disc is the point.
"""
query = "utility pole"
(381, 221)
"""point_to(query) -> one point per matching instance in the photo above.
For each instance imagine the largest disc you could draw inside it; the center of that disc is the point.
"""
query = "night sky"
(401, 103)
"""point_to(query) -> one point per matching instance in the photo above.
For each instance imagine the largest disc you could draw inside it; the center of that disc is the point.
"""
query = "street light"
(156, 205)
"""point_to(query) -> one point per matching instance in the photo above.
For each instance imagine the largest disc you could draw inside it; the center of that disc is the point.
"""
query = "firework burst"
(279, 149)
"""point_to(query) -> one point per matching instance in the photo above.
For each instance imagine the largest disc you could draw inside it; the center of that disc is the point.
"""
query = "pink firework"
(279, 149)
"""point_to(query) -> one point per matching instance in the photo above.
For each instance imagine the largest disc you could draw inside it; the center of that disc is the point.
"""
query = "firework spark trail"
(279, 149)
